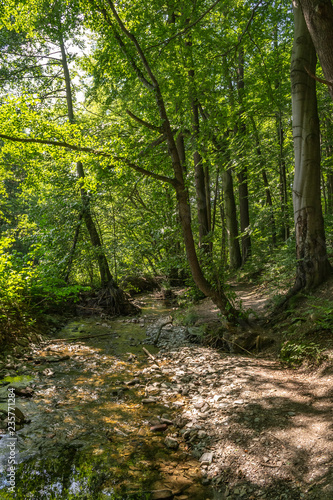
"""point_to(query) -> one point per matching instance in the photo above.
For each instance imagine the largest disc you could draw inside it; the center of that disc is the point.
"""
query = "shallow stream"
(88, 431)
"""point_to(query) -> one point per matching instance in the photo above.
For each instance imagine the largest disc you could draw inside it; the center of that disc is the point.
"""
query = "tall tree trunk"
(149, 80)
(218, 296)
(312, 263)
(329, 183)
(72, 250)
(243, 192)
(230, 214)
(104, 270)
(283, 179)
(244, 214)
(318, 16)
(201, 177)
(330, 193)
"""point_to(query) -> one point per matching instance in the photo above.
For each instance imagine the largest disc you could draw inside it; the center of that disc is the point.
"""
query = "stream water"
(87, 433)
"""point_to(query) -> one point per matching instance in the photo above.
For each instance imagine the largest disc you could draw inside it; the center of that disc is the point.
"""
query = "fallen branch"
(167, 322)
(78, 338)
(150, 356)
(234, 343)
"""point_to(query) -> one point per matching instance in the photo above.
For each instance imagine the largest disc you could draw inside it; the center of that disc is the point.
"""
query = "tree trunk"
(318, 16)
(330, 193)
(312, 263)
(72, 250)
(104, 270)
(269, 201)
(230, 212)
(149, 80)
(201, 187)
(283, 180)
(244, 213)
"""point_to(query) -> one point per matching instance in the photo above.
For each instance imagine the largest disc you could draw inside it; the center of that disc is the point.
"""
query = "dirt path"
(251, 297)
(268, 431)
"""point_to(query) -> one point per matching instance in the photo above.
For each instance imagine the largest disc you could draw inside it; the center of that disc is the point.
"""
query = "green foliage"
(187, 317)
(278, 268)
(135, 215)
(16, 277)
(321, 312)
(191, 295)
(293, 354)
(25, 291)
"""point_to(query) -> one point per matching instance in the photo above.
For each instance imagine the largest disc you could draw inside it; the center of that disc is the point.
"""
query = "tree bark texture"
(312, 263)
(318, 16)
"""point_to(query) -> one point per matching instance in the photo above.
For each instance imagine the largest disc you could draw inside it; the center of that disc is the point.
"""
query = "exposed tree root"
(110, 300)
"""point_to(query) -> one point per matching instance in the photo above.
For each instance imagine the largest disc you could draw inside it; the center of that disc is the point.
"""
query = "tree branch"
(143, 122)
(185, 30)
(321, 80)
(133, 39)
(244, 31)
(122, 46)
(96, 152)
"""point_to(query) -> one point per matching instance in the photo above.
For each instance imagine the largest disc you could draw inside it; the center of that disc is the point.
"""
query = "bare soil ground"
(268, 428)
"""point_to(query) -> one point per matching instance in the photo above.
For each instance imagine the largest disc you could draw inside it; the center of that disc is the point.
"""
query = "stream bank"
(188, 422)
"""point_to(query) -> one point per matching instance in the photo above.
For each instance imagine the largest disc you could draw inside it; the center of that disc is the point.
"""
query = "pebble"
(134, 381)
(171, 443)
(159, 428)
(206, 458)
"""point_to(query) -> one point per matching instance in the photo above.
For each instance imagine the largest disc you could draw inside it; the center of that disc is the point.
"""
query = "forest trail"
(253, 297)
(189, 422)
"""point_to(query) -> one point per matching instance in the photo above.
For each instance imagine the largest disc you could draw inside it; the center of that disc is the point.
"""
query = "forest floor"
(189, 422)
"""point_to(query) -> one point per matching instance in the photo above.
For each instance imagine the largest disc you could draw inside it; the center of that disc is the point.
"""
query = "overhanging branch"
(96, 152)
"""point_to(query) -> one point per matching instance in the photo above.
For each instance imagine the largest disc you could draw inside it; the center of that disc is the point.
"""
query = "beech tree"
(312, 263)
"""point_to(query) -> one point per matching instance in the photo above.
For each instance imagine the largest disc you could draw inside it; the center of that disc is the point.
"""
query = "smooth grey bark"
(312, 264)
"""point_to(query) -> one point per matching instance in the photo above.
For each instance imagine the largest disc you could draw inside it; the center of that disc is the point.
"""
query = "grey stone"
(171, 443)
(206, 458)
